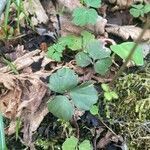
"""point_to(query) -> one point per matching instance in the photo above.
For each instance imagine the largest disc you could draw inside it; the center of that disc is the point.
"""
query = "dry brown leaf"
(69, 4)
(24, 61)
(125, 32)
(124, 3)
(35, 8)
(10, 102)
(26, 101)
(7, 80)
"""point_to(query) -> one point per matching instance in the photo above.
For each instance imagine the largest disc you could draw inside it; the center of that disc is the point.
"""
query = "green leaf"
(70, 143)
(61, 107)
(108, 96)
(139, 6)
(83, 16)
(135, 12)
(96, 50)
(124, 49)
(93, 3)
(73, 42)
(105, 87)
(55, 52)
(63, 80)
(86, 38)
(94, 110)
(147, 8)
(114, 95)
(103, 65)
(82, 59)
(2, 134)
(85, 145)
(84, 96)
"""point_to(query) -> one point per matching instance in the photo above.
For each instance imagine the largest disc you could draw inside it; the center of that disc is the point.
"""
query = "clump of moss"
(133, 109)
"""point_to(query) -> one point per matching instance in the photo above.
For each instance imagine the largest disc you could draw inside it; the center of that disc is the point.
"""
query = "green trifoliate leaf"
(94, 110)
(70, 143)
(124, 49)
(73, 42)
(96, 50)
(85, 145)
(63, 80)
(103, 65)
(83, 16)
(61, 107)
(82, 59)
(84, 96)
(93, 3)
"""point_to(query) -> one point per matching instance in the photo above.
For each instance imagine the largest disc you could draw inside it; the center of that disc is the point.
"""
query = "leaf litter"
(25, 95)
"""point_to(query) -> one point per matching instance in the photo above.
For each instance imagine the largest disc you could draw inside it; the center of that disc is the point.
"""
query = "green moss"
(133, 109)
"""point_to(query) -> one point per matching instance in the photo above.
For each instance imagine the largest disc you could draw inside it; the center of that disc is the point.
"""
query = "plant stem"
(6, 16)
(147, 25)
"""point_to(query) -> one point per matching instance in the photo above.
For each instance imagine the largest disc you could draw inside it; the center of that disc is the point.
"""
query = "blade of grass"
(11, 65)
(7, 15)
(2, 135)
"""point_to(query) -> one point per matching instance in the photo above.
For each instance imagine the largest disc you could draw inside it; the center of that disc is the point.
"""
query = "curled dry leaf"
(125, 32)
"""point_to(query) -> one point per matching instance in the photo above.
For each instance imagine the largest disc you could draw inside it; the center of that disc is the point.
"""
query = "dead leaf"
(35, 8)
(69, 4)
(24, 61)
(125, 32)
(124, 3)
(8, 80)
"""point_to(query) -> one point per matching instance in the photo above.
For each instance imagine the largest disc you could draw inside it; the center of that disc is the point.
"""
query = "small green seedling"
(109, 95)
(139, 10)
(71, 95)
(72, 143)
(92, 52)
(85, 15)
